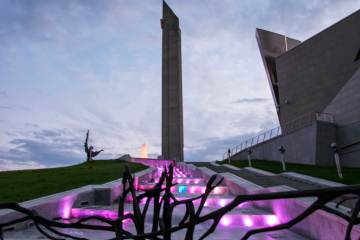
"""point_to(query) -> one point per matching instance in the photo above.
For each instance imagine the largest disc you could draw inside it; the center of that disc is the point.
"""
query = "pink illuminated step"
(218, 202)
(219, 190)
(233, 219)
(105, 213)
(191, 189)
(183, 180)
(177, 172)
(211, 201)
(248, 220)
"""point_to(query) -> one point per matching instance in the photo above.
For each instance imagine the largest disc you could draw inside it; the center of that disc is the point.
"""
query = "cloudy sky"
(67, 66)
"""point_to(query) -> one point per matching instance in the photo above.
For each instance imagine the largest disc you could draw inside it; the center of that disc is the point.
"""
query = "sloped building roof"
(306, 77)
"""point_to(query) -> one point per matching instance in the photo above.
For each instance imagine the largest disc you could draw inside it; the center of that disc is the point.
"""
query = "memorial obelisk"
(172, 107)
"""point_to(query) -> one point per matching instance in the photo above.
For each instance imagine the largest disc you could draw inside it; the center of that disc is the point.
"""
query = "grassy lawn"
(18, 186)
(351, 175)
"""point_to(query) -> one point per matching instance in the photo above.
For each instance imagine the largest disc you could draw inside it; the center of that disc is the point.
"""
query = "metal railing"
(262, 137)
(303, 121)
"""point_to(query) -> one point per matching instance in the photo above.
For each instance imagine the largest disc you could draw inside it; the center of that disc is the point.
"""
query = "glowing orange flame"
(144, 151)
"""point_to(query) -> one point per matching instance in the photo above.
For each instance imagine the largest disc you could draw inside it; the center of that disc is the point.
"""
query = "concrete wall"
(346, 105)
(309, 145)
(346, 109)
(348, 137)
(325, 135)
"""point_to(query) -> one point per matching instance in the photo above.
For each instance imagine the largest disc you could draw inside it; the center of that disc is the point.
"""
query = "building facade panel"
(320, 75)
(311, 74)
(346, 105)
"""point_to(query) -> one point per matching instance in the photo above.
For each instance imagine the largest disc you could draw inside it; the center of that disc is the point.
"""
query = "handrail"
(288, 127)
(262, 137)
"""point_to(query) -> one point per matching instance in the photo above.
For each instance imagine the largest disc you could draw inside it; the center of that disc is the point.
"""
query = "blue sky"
(67, 66)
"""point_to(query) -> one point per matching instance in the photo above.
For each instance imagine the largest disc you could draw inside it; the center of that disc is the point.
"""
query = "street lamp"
(282, 151)
(249, 152)
(229, 155)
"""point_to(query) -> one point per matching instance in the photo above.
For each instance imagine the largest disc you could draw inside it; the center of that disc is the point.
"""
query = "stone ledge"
(231, 166)
(207, 172)
(313, 179)
(238, 185)
(260, 171)
(59, 204)
(215, 164)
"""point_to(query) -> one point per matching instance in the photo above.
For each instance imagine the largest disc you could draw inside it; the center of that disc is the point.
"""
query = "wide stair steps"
(233, 224)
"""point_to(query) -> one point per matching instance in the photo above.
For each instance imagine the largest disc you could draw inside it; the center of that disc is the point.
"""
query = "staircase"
(190, 184)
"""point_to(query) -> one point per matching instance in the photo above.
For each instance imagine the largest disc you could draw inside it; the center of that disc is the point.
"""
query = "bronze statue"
(90, 153)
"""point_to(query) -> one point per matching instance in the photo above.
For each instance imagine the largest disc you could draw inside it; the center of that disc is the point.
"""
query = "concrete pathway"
(274, 180)
(263, 180)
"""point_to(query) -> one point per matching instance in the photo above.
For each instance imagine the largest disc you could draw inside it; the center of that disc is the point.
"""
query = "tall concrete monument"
(172, 107)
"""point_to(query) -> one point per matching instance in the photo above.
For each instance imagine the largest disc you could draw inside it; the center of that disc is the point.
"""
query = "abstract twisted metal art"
(163, 204)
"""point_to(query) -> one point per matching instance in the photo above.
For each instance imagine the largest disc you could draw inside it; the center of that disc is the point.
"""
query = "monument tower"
(172, 107)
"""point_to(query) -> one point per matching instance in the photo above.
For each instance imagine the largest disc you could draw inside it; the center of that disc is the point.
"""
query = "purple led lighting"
(195, 189)
(189, 183)
(145, 187)
(65, 206)
(192, 190)
(271, 220)
(218, 190)
(108, 214)
(248, 222)
(182, 180)
(143, 201)
(222, 202)
(225, 221)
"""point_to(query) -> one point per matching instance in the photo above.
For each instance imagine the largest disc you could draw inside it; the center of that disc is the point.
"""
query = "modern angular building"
(316, 90)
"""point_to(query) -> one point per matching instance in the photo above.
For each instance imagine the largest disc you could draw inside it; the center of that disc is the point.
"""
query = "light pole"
(229, 155)
(337, 159)
(249, 152)
(282, 151)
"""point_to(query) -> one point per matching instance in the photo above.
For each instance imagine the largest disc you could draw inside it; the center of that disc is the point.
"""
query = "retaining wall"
(308, 145)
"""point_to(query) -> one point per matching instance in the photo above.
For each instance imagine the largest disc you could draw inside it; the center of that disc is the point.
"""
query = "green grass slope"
(18, 186)
(351, 175)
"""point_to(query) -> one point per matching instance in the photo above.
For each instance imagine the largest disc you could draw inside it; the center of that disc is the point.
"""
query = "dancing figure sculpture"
(90, 153)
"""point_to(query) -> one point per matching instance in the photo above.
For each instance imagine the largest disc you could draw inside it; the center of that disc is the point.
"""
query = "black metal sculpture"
(164, 203)
(90, 153)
